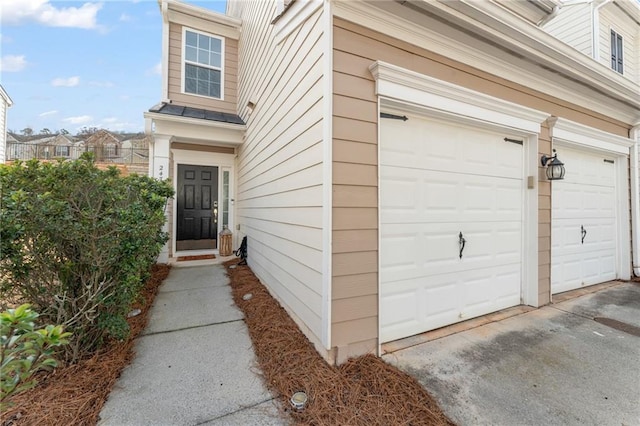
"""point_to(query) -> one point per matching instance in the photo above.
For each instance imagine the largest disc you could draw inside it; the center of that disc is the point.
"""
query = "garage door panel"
(413, 306)
(431, 145)
(566, 236)
(423, 196)
(578, 270)
(583, 201)
(431, 249)
(587, 168)
(437, 180)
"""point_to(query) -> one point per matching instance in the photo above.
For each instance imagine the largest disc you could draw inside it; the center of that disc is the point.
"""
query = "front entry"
(197, 205)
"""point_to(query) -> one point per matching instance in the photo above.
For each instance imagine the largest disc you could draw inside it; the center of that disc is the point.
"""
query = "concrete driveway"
(550, 366)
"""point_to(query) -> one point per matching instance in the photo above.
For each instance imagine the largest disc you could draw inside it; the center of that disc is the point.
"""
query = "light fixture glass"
(555, 168)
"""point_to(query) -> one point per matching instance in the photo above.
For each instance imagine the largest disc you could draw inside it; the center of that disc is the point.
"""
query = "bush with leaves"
(77, 243)
(24, 350)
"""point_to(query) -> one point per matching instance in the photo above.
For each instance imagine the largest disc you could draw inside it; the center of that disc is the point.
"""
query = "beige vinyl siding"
(613, 18)
(279, 167)
(573, 25)
(355, 162)
(230, 69)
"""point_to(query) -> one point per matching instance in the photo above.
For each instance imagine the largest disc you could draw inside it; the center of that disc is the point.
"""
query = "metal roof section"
(197, 113)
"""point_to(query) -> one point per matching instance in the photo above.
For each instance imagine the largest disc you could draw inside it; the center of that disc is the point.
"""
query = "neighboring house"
(104, 144)
(606, 30)
(43, 147)
(384, 158)
(5, 104)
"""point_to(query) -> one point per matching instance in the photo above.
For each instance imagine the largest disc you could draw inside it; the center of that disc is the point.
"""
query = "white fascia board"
(193, 129)
(204, 24)
(294, 16)
(203, 13)
(5, 96)
(393, 24)
(500, 24)
(577, 134)
(393, 82)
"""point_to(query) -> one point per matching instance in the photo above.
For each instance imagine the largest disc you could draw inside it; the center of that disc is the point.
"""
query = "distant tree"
(85, 132)
(63, 131)
(45, 131)
(27, 131)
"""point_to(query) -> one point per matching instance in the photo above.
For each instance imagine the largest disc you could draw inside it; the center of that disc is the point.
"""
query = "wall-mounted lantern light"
(555, 167)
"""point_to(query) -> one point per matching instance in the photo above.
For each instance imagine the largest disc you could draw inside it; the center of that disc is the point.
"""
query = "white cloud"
(44, 114)
(110, 120)
(5, 39)
(155, 70)
(124, 18)
(101, 84)
(12, 63)
(81, 119)
(65, 82)
(43, 12)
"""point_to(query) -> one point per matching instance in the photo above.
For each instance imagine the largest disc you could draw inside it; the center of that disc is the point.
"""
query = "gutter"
(595, 29)
(634, 134)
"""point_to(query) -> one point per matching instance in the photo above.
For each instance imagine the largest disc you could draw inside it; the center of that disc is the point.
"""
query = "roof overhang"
(198, 17)
(194, 130)
(486, 36)
(5, 96)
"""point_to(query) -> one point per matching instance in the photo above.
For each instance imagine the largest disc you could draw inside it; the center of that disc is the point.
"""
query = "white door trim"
(570, 134)
(200, 158)
(403, 89)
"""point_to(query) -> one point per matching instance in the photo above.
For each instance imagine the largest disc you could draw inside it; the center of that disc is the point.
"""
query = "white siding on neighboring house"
(573, 25)
(613, 18)
(3, 133)
(280, 164)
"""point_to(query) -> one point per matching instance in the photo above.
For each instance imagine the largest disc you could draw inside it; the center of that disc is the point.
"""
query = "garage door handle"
(461, 243)
(583, 232)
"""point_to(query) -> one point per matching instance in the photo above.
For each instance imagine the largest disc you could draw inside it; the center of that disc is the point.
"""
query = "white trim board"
(199, 158)
(574, 135)
(393, 82)
(399, 90)
(401, 27)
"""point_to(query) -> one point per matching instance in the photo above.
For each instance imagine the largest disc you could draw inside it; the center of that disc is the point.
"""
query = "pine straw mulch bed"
(362, 391)
(74, 395)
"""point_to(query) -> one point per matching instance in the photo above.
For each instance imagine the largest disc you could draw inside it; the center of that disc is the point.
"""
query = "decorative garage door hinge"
(393, 116)
(518, 141)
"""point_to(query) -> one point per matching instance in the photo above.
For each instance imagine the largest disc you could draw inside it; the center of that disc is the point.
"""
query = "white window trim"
(183, 62)
(612, 30)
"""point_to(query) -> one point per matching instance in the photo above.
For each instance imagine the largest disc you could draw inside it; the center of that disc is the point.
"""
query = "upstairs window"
(617, 61)
(203, 64)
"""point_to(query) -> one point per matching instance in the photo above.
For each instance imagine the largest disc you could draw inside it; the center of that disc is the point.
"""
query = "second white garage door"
(451, 218)
(583, 235)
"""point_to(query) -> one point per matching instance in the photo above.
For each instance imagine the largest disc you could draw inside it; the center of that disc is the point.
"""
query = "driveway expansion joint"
(190, 328)
(572, 313)
(244, 407)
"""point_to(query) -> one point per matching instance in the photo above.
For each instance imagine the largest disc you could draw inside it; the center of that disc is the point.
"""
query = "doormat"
(200, 257)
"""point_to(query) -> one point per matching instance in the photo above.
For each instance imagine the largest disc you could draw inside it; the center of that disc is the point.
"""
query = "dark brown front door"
(197, 207)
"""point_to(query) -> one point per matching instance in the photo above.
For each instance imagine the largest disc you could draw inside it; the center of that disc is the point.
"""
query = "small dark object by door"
(242, 251)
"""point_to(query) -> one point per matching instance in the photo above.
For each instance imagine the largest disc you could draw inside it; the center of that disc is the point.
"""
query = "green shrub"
(77, 243)
(25, 350)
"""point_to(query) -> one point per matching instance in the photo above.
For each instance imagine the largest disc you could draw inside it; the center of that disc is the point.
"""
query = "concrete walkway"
(551, 366)
(194, 363)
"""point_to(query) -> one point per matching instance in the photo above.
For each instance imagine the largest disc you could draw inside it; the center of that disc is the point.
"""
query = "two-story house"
(389, 161)
(5, 103)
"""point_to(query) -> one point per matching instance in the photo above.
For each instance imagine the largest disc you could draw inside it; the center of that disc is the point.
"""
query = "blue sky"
(82, 64)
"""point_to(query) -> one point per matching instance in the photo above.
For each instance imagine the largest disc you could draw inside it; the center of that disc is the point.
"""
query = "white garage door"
(583, 232)
(440, 182)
